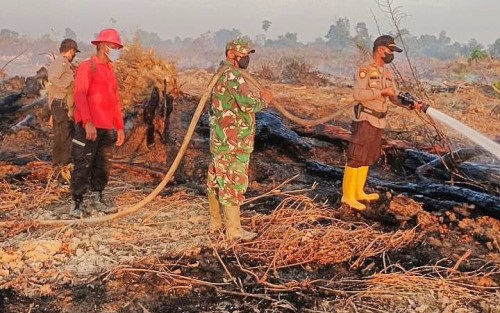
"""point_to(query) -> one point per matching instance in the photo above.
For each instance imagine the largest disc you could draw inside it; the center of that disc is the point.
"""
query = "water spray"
(489, 145)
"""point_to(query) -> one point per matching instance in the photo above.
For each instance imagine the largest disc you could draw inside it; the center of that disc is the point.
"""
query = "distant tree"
(319, 41)
(7, 33)
(287, 40)
(436, 47)
(266, 24)
(148, 38)
(69, 33)
(477, 55)
(112, 21)
(450, 52)
(443, 39)
(404, 32)
(260, 39)
(291, 37)
(361, 30)
(472, 46)
(494, 49)
(339, 35)
(429, 45)
(222, 36)
(362, 36)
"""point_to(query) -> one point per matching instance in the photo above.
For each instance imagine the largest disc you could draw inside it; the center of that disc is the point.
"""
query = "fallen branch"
(449, 161)
(11, 60)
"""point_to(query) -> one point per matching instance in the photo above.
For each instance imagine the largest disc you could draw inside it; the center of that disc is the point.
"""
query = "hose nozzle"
(408, 100)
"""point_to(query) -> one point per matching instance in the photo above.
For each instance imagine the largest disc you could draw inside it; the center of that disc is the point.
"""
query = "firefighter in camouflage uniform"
(232, 131)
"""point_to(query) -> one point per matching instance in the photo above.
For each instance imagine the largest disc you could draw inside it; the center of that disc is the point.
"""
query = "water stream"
(488, 144)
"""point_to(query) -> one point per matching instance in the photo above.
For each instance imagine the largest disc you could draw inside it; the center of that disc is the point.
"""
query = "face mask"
(388, 57)
(113, 54)
(243, 62)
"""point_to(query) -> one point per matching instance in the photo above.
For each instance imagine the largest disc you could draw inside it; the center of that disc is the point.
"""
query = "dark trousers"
(63, 132)
(91, 161)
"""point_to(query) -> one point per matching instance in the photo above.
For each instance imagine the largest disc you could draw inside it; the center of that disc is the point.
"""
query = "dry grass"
(428, 289)
(40, 188)
(299, 232)
(138, 71)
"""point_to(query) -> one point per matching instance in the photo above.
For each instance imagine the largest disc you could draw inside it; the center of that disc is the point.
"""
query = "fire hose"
(182, 150)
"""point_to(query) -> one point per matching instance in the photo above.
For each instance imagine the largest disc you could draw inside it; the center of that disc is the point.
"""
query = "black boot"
(100, 204)
(77, 209)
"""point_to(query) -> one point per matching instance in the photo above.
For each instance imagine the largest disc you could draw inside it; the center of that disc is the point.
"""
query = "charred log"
(271, 131)
(9, 103)
(325, 132)
(36, 104)
(149, 115)
(34, 84)
(482, 202)
(449, 161)
(452, 167)
(165, 110)
(27, 122)
(431, 204)
(337, 135)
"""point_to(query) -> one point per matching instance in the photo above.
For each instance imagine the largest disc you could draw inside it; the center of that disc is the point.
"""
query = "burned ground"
(312, 254)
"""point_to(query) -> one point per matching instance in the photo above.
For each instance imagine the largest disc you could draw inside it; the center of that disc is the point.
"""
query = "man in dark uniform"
(374, 89)
(60, 93)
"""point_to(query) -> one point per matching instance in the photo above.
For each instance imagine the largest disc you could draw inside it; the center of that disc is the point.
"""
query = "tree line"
(340, 37)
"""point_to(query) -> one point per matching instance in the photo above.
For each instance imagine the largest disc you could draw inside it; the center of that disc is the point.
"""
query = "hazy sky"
(462, 19)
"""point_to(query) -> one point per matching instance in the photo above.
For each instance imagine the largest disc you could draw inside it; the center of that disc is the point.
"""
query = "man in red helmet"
(97, 113)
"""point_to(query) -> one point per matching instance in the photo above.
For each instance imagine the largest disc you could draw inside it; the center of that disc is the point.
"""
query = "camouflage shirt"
(232, 114)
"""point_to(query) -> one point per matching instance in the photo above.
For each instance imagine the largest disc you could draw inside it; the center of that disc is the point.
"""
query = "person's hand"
(90, 131)
(267, 96)
(120, 137)
(388, 92)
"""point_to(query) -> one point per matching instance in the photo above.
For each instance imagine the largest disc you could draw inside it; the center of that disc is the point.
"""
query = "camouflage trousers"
(228, 177)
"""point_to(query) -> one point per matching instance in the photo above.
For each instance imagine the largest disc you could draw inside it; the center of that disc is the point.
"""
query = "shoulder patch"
(363, 72)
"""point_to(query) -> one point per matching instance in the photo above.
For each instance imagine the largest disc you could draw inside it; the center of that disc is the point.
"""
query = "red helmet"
(108, 35)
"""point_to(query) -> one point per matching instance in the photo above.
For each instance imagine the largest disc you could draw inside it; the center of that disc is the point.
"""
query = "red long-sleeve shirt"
(96, 95)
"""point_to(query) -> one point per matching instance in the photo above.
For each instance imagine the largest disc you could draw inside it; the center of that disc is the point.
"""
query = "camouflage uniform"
(232, 131)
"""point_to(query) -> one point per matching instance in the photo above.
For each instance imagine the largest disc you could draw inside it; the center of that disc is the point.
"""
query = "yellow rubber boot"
(215, 213)
(360, 186)
(349, 189)
(234, 231)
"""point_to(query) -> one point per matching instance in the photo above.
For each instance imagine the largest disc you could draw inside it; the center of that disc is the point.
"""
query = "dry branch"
(299, 232)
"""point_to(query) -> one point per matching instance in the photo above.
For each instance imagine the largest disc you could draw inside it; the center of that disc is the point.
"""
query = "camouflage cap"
(240, 45)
